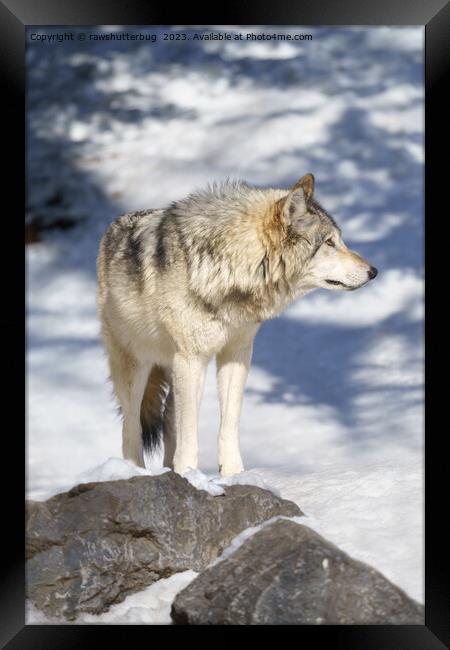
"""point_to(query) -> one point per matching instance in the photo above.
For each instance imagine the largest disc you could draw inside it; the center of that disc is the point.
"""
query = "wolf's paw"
(181, 464)
(135, 455)
(183, 469)
(231, 467)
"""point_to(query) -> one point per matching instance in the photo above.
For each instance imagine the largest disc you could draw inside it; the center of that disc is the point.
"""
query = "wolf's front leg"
(188, 380)
(233, 363)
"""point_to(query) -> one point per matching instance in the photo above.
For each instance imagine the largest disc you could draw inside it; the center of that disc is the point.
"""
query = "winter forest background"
(333, 410)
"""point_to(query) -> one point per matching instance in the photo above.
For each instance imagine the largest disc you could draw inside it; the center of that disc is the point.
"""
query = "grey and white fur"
(179, 285)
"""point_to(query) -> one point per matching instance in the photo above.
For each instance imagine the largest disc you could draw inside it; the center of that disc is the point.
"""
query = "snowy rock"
(288, 574)
(94, 545)
(202, 482)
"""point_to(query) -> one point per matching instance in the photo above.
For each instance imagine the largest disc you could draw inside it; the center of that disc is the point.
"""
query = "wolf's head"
(329, 264)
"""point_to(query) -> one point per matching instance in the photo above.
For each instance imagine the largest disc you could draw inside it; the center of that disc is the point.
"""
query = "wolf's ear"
(294, 206)
(307, 184)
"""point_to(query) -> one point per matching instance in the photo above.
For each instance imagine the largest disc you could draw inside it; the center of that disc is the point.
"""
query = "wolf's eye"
(330, 242)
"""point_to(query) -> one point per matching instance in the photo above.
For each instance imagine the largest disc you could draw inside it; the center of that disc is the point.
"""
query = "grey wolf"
(181, 284)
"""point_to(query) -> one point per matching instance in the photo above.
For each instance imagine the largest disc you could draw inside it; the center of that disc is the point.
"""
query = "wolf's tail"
(152, 408)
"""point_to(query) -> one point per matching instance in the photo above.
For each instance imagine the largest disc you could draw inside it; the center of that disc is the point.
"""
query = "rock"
(288, 574)
(92, 546)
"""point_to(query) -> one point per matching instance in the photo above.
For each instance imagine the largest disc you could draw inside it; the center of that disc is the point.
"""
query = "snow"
(202, 482)
(358, 510)
(113, 469)
(214, 484)
(247, 478)
(116, 469)
(333, 409)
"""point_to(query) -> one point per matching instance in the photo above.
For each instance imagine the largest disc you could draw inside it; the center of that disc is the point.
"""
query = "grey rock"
(288, 574)
(94, 545)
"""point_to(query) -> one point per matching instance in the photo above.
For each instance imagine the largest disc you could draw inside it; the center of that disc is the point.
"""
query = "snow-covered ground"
(333, 411)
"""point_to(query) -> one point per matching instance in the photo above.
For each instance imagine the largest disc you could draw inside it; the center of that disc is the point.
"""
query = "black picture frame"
(434, 15)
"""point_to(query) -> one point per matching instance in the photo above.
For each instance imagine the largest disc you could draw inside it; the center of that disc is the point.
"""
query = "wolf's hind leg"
(129, 377)
(233, 364)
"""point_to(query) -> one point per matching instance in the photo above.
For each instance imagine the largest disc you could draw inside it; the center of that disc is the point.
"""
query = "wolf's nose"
(373, 272)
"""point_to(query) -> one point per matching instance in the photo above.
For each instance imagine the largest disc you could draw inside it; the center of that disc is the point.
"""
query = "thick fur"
(179, 285)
